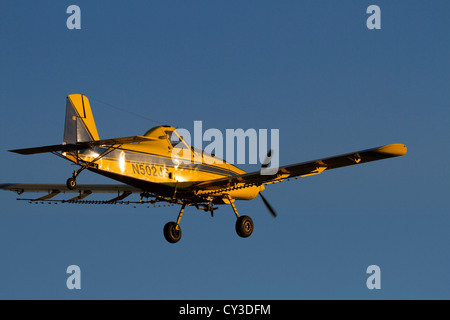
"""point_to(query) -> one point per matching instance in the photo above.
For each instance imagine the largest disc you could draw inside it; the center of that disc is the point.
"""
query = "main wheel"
(71, 183)
(171, 233)
(244, 226)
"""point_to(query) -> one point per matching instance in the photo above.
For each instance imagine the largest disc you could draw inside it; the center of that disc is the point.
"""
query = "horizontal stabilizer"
(83, 145)
(36, 150)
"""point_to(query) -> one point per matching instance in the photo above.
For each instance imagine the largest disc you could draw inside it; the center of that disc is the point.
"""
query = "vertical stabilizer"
(80, 124)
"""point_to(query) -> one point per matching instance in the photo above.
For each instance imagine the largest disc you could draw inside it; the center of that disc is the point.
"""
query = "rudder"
(80, 125)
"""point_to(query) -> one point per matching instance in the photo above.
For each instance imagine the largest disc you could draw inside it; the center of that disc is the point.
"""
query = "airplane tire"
(171, 234)
(71, 183)
(244, 226)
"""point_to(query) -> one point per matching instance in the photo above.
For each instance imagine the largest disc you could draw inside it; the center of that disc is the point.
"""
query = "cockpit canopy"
(163, 132)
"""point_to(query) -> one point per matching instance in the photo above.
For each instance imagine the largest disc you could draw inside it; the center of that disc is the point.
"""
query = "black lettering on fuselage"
(151, 171)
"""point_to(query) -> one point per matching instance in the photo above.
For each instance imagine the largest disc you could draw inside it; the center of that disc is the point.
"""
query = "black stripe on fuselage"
(227, 171)
(140, 157)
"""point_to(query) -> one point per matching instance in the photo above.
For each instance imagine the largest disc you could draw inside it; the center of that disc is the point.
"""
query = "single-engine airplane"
(144, 166)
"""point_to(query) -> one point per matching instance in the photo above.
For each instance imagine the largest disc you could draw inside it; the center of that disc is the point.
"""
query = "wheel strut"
(177, 226)
(234, 208)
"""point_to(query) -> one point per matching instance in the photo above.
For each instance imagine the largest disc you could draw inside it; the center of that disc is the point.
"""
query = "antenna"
(126, 111)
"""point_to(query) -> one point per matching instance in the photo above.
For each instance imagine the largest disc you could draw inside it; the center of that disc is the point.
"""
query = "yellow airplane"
(144, 165)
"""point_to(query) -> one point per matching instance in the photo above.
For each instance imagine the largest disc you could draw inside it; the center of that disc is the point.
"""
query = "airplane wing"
(83, 145)
(301, 169)
(62, 188)
(82, 191)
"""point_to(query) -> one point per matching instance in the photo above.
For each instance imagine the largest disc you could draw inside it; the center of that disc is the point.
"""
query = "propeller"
(269, 207)
(263, 170)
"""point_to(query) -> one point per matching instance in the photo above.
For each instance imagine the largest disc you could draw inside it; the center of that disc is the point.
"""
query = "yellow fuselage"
(157, 162)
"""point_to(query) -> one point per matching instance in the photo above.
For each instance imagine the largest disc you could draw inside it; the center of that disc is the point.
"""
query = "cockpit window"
(173, 138)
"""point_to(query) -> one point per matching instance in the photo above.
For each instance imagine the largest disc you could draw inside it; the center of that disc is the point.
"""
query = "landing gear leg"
(244, 224)
(172, 230)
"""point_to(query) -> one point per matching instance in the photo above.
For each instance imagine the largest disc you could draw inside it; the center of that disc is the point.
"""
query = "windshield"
(173, 138)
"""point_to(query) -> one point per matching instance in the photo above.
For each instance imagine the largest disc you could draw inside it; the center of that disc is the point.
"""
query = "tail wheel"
(171, 233)
(71, 183)
(244, 226)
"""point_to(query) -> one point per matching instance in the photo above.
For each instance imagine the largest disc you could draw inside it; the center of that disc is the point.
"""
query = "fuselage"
(159, 165)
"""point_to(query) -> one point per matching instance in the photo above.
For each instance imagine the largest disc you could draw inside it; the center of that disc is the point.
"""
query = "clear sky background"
(309, 68)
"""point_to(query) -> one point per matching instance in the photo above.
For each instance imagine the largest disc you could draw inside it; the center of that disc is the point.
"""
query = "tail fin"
(80, 124)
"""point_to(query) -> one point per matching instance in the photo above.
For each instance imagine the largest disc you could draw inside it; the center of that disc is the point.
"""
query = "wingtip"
(15, 151)
(396, 149)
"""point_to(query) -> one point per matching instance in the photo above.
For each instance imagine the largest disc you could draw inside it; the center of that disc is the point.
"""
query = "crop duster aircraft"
(144, 166)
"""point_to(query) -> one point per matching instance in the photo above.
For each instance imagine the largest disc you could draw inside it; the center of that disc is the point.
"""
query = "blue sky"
(311, 69)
